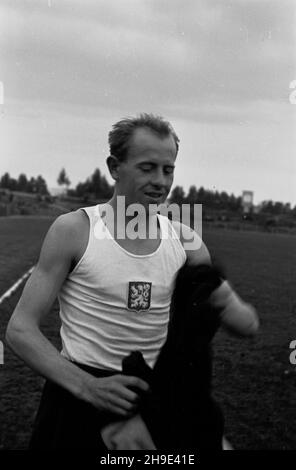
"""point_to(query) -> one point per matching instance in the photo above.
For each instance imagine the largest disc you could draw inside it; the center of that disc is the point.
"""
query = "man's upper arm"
(196, 250)
(56, 256)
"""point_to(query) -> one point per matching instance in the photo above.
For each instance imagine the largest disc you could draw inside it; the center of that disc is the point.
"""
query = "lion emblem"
(139, 295)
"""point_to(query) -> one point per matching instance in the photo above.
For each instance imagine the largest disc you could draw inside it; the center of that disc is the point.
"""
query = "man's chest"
(138, 246)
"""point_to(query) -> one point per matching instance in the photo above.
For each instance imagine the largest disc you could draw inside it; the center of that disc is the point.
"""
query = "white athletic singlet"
(115, 302)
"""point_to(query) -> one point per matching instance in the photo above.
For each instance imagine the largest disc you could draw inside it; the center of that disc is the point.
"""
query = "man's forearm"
(116, 394)
(236, 315)
(38, 353)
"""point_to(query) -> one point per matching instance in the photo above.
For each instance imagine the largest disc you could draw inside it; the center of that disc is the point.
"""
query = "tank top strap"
(91, 213)
(97, 228)
(168, 231)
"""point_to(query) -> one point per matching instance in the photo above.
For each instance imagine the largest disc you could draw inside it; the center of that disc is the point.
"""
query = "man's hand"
(131, 434)
(114, 394)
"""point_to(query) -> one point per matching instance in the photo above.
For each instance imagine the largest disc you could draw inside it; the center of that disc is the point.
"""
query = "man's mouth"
(154, 195)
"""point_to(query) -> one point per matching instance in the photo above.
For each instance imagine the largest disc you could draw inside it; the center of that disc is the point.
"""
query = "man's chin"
(154, 199)
(153, 206)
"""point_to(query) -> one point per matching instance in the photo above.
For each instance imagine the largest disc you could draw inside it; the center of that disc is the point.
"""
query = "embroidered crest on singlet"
(139, 296)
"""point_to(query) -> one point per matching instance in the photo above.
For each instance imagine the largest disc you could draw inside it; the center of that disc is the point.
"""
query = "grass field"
(253, 379)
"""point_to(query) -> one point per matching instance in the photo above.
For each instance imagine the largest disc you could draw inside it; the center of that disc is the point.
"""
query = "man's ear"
(113, 165)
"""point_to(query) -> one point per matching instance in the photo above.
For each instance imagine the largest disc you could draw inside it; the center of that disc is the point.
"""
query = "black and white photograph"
(148, 228)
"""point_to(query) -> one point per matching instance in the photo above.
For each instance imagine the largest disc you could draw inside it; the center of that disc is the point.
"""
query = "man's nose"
(158, 178)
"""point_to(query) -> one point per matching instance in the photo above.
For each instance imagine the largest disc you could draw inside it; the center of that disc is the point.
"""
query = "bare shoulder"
(68, 236)
(195, 248)
(75, 222)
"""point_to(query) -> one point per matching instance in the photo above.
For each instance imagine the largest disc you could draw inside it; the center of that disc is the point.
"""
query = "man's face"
(147, 174)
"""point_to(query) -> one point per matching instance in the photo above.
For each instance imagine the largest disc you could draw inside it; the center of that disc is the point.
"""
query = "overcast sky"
(219, 70)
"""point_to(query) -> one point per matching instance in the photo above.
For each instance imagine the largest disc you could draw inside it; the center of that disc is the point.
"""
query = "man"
(97, 274)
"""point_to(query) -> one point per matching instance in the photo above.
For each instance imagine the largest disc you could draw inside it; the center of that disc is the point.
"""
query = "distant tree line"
(210, 199)
(215, 200)
(22, 183)
(277, 208)
(94, 187)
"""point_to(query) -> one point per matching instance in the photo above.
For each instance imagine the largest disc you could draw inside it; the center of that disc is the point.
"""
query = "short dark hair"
(123, 130)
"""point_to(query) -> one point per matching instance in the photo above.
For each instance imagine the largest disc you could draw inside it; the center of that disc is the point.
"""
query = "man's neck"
(120, 206)
(121, 220)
